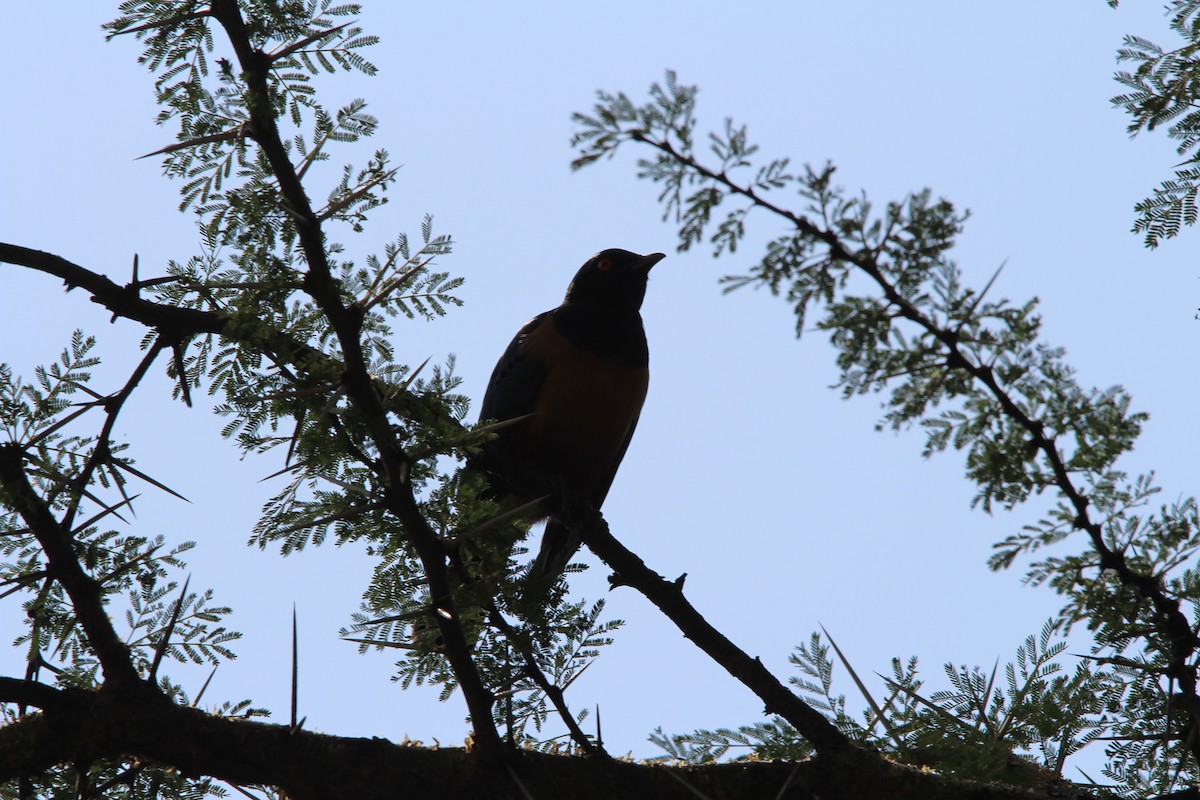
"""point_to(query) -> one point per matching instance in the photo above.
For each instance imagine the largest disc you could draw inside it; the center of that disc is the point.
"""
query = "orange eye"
(604, 265)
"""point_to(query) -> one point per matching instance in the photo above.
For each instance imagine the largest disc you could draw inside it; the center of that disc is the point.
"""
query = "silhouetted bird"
(580, 372)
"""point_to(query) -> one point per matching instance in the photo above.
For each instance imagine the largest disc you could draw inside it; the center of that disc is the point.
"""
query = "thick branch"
(142, 724)
(123, 301)
(30, 693)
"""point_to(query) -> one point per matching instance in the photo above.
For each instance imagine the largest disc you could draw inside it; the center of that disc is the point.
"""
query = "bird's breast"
(585, 410)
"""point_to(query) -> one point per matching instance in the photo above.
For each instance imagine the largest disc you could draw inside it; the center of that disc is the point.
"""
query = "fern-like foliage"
(1160, 91)
(1018, 725)
(974, 374)
(86, 478)
(278, 368)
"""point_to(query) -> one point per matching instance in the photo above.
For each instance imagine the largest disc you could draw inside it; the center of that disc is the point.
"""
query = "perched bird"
(580, 373)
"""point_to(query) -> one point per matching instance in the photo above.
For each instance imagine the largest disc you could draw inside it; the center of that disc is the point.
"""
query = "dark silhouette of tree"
(295, 342)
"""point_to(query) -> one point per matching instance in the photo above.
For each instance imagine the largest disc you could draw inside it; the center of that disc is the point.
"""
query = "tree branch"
(553, 693)
(175, 323)
(668, 597)
(1170, 620)
(122, 301)
(102, 452)
(63, 564)
(346, 322)
(140, 723)
(31, 693)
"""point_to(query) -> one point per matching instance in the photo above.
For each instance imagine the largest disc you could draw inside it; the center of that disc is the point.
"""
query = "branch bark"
(123, 301)
(31, 693)
(142, 724)
(668, 597)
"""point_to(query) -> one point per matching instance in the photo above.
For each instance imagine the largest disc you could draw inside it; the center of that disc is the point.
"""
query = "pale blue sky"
(777, 498)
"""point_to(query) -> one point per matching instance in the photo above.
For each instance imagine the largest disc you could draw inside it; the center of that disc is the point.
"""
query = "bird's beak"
(649, 261)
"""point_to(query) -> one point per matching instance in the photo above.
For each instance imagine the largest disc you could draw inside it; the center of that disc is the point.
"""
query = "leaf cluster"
(1017, 725)
(299, 321)
(1161, 90)
(280, 366)
(84, 478)
(973, 373)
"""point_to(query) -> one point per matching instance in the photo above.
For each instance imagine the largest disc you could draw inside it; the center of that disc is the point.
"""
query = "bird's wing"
(516, 380)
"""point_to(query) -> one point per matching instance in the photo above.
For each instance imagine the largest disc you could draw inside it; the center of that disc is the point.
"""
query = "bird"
(574, 378)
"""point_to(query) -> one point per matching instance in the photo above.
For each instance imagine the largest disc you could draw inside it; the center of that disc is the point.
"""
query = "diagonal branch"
(1171, 622)
(346, 323)
(63, 565)
(305, 42)
(169, 22)
(553, 693)
(121, 301)
(102, 452)
(668, 597)
(179, 324)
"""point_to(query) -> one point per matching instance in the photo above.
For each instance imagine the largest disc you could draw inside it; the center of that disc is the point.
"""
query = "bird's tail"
(559, 543)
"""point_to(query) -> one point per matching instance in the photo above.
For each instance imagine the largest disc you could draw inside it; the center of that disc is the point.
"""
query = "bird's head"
(612, 279)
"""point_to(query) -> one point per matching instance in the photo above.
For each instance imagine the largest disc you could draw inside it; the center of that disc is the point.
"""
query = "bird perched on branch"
(578, 373)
